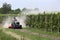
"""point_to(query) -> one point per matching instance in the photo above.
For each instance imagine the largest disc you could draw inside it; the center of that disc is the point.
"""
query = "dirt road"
(41, 35)
(18, 37)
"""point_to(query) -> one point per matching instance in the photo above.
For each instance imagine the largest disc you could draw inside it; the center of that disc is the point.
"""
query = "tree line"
(6, 9)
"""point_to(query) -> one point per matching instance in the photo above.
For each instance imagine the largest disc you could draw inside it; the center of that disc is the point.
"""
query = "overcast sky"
(49, 5)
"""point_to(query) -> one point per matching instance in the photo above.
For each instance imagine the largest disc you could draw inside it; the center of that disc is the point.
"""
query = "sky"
(44, 5)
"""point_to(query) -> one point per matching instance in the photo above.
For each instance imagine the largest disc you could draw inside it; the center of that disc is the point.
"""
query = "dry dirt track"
(41, 35)
(18, 37)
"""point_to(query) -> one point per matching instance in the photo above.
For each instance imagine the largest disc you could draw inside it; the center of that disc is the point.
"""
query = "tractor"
(15, 25)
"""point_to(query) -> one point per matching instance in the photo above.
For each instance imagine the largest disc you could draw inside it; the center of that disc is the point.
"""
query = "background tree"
(6, 8)
(24, 9)
(1, 10)
(18, 11)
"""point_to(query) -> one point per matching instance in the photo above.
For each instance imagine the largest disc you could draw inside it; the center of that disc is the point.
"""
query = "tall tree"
(18, 10)
(6, 8)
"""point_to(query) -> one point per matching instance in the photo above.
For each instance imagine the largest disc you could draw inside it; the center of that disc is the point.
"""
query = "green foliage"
(16, 11)
(6, 8)
(27, 35)
(4, 36)
(49, 22)
(42, 31)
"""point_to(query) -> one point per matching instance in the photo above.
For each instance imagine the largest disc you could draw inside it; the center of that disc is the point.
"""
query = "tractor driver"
(14, 22)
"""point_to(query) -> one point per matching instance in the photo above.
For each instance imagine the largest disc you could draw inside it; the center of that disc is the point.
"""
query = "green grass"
(42, 31)
(4, 36)
(30, 36)
(8, 14)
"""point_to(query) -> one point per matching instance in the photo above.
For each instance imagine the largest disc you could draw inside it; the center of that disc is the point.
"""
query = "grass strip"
(30, 36)
(4, 36)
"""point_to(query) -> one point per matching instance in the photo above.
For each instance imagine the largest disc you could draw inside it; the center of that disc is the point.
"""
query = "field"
(27, 34)
(4, 36)
(39, 27)
(29, 20)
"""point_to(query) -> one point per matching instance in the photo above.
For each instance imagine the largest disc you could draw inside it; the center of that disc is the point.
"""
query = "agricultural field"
(4, 36)
(32, 34)
(28, 36)
(48, 22)
(29, 20)
(38, 27)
